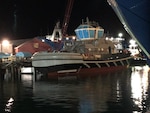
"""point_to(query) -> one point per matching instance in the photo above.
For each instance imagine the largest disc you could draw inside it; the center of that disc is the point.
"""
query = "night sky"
(20, 19)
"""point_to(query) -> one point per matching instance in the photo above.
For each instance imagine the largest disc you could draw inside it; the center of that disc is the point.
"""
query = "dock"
(13, 65)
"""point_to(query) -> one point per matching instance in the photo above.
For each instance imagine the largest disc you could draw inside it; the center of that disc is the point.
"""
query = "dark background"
(21, 19)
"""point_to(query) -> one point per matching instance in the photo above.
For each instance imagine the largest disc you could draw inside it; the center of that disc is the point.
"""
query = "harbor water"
(126, 91)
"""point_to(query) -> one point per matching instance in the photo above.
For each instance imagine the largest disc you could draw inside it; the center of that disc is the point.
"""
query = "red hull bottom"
(86, 72)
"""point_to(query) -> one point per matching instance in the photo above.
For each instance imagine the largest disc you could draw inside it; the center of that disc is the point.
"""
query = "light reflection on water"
(139, 87)
(126, 91)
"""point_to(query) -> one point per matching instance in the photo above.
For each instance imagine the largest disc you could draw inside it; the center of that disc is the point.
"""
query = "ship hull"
(60, 64)
(134, 15)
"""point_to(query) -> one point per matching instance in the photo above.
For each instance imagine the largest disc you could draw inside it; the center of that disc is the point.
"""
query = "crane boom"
(67, 16)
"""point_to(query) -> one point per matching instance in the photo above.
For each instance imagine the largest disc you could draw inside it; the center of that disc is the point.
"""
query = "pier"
(11, 67)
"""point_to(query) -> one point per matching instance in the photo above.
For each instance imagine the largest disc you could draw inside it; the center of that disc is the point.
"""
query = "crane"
(67, 16)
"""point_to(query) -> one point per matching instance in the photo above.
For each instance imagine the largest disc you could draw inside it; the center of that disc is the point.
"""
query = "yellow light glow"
(73, 37)
(5, 42)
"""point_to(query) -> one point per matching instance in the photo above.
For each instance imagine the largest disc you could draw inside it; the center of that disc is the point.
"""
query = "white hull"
(61, 63)
(46, 59)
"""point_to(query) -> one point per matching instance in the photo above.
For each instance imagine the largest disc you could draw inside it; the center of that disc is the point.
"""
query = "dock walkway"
(15, 62)
(13, 65)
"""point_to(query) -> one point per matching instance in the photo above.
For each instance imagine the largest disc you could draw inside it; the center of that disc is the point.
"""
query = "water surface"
(124, 91)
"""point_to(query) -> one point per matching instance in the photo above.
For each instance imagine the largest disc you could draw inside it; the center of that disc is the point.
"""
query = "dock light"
(5, 42)
(106, 38)
(120, 35)
(73, 37)
(43, 40)
(6, 46)
(67, 38)
(112, 38)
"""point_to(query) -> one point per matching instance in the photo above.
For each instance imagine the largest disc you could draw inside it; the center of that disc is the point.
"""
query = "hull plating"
(84, 68)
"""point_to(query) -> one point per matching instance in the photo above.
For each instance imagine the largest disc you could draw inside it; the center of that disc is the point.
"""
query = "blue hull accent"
(134, 15)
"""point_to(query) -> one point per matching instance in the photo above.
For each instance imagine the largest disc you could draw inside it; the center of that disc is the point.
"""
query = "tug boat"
(90, 52)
